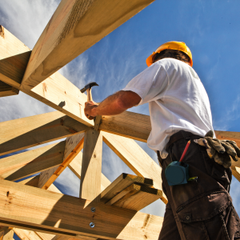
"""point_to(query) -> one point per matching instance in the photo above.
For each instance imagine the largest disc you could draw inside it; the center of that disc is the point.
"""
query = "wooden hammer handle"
(89, 95)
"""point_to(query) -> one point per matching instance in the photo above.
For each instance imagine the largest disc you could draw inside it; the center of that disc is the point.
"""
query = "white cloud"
(27, 18)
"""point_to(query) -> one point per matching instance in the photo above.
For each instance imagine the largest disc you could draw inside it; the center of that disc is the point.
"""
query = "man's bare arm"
(112, 105)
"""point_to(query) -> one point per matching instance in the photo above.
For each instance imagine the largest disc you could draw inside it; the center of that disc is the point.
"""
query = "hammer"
(88, 88)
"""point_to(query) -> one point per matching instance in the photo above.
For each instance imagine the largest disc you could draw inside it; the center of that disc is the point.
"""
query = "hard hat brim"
(180, 46)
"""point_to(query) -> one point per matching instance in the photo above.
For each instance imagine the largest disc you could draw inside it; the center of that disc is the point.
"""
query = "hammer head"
(88, 86)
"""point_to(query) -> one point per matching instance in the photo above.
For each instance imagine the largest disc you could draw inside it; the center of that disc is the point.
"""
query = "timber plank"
(120, 183)
(135, 197)
(7, 90)
(74, 145)
(31, 181)
(3, 231)
(26, 234)
(35, 130)
(236, 172)
(8, 235)
(125, 124)
(234, 136)
(47, 177)
(36, 209)
(91, 165)
(74, 27)
(45, 236)
(31, 162)
(7, 39)
(12, 68)
(76, 167)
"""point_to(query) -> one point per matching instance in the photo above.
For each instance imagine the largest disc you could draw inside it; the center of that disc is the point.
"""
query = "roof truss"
(104, 209)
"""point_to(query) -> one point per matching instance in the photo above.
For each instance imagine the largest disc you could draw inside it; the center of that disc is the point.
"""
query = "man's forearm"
(112, 105)
(116, 103)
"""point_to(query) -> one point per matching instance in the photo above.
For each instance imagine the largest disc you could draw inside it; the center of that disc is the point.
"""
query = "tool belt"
(180, 135)
(177, 172)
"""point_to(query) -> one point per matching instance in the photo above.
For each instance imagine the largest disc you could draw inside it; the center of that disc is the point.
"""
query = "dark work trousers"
(200, 209)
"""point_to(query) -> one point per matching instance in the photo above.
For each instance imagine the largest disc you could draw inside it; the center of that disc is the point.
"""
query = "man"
(179, 112)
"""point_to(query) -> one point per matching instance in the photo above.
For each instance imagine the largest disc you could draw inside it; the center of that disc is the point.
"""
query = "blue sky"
(209, 27)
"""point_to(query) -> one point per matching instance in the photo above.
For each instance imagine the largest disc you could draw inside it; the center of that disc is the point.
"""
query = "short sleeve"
(149, 84)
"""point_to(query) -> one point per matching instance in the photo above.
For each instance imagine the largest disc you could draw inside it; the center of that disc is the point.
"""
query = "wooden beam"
(12, 68)
(7, 90)
(3, 231)
(236, 172)
(80, 237)
(66, 97)
(129, 200)
(6, 234)
(122, 182)
(74, 27)
(76, 167)
(24, 164)
(130, 192)
(31, 235)
(136, 159)
(135, 197)
(234, 136)
(26, 234)
(91, 165)
(31, 181)
(27, 132)
(74, 145)
(7, 40)
(40, 210)
(125, 124)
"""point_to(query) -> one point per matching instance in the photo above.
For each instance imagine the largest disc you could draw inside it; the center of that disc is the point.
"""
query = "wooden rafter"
(31, 162)
(7, 90)
(42, 210)
(72, 30)
(105, 210)
(6, 233)
(35, 130)
(74, 145)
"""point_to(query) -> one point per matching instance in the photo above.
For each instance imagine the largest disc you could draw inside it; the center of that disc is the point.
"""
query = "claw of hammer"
(88, 88)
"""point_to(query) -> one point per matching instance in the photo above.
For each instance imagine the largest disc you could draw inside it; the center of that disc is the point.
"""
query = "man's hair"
(172, 54)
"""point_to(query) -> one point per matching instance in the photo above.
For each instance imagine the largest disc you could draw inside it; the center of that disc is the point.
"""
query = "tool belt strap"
(180, 135)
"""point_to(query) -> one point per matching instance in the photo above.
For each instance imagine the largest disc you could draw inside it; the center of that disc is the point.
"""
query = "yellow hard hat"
(173, 45)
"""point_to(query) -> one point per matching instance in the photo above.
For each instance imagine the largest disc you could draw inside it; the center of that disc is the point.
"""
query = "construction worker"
(199, 206)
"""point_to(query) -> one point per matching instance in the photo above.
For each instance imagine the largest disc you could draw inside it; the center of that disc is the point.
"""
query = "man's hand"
(89, 109)
(222, 151)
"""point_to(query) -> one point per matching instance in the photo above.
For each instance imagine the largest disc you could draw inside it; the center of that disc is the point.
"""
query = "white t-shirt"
(177, 101)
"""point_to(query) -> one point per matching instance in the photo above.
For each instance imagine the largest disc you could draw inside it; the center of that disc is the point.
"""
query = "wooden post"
(91, 165)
